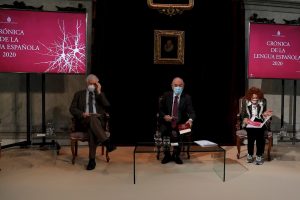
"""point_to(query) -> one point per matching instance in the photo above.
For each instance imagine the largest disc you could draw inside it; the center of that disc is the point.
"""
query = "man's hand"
(189, 122)
(98, 87)
(168, 118)
(85, 114)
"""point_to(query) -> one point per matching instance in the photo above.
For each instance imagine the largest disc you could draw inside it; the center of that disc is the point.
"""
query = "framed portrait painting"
(168, 47)
(163, 4)
(171, 7)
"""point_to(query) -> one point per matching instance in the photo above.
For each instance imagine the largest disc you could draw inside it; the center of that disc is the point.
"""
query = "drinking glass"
(50, 129)
(283, 132)
(166, 143)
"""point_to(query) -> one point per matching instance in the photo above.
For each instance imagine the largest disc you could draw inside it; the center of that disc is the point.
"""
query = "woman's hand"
(267, 113)
(246, 120)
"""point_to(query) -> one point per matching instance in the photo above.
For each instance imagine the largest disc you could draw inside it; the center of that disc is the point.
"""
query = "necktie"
(91, 110)
(175, 112)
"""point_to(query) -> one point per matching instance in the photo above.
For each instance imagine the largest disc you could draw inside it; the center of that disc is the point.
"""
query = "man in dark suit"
(175, 107)
(88, 108)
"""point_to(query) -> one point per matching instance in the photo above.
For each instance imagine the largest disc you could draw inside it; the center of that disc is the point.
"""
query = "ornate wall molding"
(20, 5)
(80, 8)
(171, 7)
(256, 19)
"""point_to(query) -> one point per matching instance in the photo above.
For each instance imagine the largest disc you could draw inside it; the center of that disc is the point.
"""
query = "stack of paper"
(205, 143)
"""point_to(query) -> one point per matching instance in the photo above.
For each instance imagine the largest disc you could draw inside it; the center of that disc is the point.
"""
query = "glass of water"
(50, 129)
(158, 139)
(166, 143)
(283, 132)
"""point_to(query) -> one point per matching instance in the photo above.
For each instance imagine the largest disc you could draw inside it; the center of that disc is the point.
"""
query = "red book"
(253, 123)
(184, 128)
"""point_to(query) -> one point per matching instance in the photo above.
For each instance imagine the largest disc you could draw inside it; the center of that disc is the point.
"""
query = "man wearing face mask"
(254, 109)
(175, 107)
(88, 108)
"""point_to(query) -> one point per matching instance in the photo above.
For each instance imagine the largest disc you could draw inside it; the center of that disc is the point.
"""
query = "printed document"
(205, 143)
(253, 124)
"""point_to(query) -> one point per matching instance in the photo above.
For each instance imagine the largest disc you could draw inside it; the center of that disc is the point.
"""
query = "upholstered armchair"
(81, 136)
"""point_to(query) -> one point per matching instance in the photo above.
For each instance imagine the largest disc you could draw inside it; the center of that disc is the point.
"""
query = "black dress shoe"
(91, 165)
(166, 159)
(178, 160)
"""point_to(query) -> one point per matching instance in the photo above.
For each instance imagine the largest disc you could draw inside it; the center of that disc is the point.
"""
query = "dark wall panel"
(213, 70)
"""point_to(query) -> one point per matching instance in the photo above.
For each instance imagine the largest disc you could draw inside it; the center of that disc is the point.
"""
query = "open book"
(254, 124)
(206, 143)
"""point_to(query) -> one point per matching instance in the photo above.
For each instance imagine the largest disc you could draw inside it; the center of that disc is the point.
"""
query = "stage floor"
(39, 174)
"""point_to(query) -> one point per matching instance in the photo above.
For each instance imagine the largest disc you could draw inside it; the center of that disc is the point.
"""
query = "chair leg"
(189, 140)
(74, 150)
(107, 156)
(269, 148)
(188, 151)
(238, 146)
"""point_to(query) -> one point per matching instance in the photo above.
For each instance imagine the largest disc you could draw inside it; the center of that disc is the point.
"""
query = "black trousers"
(256, 134)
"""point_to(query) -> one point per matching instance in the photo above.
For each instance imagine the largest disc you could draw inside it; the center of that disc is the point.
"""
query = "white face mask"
(91, 88)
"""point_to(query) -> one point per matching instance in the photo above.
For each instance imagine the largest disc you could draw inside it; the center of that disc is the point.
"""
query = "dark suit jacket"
(185, 108)
(79, 103)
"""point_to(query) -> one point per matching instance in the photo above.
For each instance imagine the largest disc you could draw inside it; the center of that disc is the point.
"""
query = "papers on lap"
(253, 124)
(206, 143)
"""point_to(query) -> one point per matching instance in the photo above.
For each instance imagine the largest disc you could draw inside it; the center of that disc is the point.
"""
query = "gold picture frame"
(169, 47)
(171, 7)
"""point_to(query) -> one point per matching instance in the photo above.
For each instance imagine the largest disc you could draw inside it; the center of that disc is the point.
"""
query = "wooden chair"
(76, 136)
(241, 135)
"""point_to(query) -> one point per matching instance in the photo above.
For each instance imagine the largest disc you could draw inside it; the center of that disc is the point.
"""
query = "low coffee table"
(149, 147)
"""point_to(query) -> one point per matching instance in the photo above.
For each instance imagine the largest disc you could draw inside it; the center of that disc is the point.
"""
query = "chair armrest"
(238, 122)
(241, 133)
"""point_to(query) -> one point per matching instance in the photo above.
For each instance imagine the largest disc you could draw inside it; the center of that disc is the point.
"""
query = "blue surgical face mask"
(91, 88)
(177, 90)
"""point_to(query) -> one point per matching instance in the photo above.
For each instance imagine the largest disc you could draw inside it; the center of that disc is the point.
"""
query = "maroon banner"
(42, 42)
(274, 51)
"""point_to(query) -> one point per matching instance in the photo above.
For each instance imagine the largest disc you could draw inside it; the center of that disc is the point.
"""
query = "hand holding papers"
(184, 128)
(205, 143)
(254, 124)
